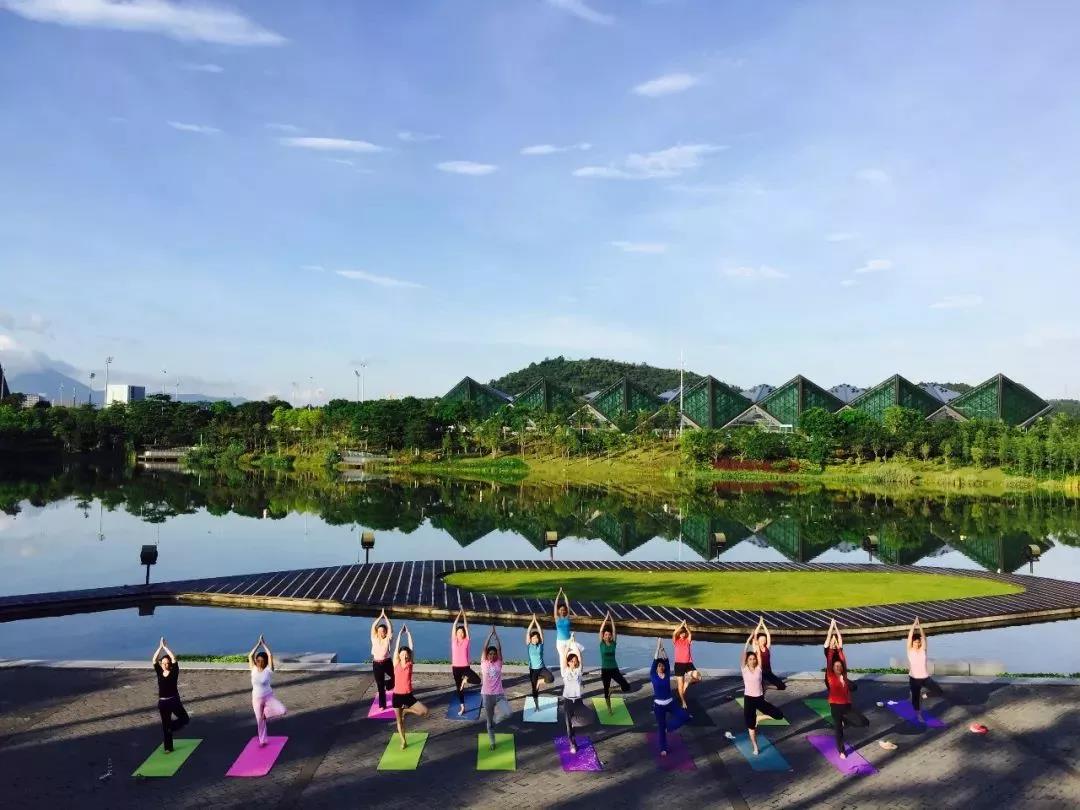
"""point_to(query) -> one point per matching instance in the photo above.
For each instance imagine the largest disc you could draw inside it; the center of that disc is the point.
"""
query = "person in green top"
(609, 667)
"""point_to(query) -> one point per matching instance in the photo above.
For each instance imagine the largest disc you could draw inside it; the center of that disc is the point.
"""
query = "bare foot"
(756, 752)
(663, 753)
(404, 745)
(843, 755)
(462, 709)
(491, 746)
(573, 749)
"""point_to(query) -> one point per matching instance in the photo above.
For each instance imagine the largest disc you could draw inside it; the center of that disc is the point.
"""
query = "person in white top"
(572, 671)
(754, 691)
(382, 667)
(265, 705)
(919, 680)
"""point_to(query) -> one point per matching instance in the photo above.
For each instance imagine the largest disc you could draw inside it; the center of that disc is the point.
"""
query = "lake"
(82, 527)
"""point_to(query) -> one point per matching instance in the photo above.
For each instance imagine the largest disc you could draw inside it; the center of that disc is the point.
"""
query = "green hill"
(583, 376)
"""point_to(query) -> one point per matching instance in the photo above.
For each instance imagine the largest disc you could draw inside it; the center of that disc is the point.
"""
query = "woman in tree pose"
(382, 666)
(263, 702)
(685, 672)
(491, 687)
(840, 688)
(403, 700)
(534, 641)
(754, 691)
(763, 646)
(572, 670)
(663, 703)
(919, 679)
(167, 669)
(459, 658)
(609, 667)
(563, 630)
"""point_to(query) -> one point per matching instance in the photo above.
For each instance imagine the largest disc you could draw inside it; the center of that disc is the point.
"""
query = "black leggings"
(609, 675)
(464, 674)
(384, 678)
(167, 707)
(537, 675)
(570, 708)
(752, 705)
(844, 714)
(771, 678)
(917, 686)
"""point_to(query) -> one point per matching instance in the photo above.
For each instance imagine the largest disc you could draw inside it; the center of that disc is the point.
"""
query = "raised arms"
(607, 620)
(162, 648)
(916, 627)
(459, 618)
(751, 644)
(764, 628)
(534, 626)
(382, 618)
(566, 601)
(493, 640)
(261, 642)
(397, 644)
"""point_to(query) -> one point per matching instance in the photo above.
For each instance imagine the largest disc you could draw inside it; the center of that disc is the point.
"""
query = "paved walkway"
(59, 728)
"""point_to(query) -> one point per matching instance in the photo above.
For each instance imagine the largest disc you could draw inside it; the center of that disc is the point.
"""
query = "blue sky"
(258, 194)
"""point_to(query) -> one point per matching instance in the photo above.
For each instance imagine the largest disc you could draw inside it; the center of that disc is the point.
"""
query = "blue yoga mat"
(473, 702)
(770, 759)
(548, 713)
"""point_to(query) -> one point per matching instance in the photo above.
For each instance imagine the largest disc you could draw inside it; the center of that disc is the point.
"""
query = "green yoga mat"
(503, 758)
(820, 707)
(161, 764)
(764, 719)
(394, 759)
(618, 716)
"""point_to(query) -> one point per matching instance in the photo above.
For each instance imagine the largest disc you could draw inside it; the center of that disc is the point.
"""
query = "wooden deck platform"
(416, 589)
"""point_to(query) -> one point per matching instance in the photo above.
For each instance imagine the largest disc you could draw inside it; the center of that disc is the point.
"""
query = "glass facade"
(711, 404)
(788, 402)
(895, 391)
(486, 398)
(625, 397)
(1000, 398)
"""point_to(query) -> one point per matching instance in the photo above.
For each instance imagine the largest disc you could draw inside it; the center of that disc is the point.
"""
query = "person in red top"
(840, 689)
(403, 701)
(684, 671)
(763, 647)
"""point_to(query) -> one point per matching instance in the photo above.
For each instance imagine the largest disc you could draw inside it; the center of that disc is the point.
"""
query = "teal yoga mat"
(769, 758)
(548, 713)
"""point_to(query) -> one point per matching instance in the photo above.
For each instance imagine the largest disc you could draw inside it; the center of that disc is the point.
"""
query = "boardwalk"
(417, 589)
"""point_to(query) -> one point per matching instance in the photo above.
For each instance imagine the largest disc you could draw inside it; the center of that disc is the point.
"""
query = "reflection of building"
(118, 393)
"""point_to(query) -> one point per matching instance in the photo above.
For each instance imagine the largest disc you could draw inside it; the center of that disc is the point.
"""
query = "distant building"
(124, 394)
(33, 400)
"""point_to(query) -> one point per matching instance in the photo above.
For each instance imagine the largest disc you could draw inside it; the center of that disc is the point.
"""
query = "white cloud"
(188, 22)
(283, 127)
(417, 137)
(841, 236)
(331, 145)
(7, 343)
(579, 9)
(875, 266)
(968, 301)
(204, 67)
(551, 149)
(640, 247)
(664, 163)
(382, 281)
(666, 85)
(201, 129)
(878, 177)
(761, 273)
(466, 167)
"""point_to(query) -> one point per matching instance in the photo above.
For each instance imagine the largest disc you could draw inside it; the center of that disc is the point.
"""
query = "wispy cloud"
(664, 163)
(202, 67)
(841, 236)
(875, 266)
(331, 145)
(761, 273)
(201, 129)
(34, 322)
(967, 301)
(417, 137)
(466, 167)
(552, 149)
(381, 281)
(579, 9)
(640, 247)
(666, 85)
(283, 127)
(874, 176)
(188, 22)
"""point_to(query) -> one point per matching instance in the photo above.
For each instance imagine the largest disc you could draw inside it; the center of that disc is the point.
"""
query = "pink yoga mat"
(375, 713)
(256, 760)
(904, 709)
(678, 755)
(584, 760)
(854, 765)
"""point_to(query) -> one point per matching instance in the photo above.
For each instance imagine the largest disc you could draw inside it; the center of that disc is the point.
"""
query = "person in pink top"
(919, 680)
(684, 670)
(491, 685)
(382, 666)
(754, 691)
(459, 658)
(403, 701)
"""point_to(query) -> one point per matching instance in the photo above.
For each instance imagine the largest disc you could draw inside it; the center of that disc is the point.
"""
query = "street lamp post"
(90, 390)
(357, 373)
(108, 362)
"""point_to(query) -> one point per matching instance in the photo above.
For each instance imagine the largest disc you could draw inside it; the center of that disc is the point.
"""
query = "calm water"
(81, 528)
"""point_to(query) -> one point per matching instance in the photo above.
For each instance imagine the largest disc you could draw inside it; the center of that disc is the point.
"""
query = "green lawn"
(734, 590)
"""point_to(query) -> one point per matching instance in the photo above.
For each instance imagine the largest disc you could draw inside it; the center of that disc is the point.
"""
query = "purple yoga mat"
(375, 713)
(904, 710)
(584, 760)
(256, 760)
(854, 765)
(678, 756)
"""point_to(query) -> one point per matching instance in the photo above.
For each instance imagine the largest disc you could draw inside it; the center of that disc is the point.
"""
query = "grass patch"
(203, 658)
(735, 590)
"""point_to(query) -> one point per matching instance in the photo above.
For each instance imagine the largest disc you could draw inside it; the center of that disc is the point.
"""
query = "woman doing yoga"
(663, 702)
(609, 667)
(263, 702)
(685, 672)
(167, 669)
(459, 658)
(403, 701)
(754, 691)
(534, 641)
(919, 680)
(382, 666)
(562, 616)
(840, 689)
(763, 646)
(572, 670)
(491, 687)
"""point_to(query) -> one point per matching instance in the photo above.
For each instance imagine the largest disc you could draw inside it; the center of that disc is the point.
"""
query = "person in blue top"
(663, 703)
(562, 623)
(534, 641)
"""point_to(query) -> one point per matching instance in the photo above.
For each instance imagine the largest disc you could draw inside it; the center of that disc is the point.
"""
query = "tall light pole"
(177, 399)
(108, 362)
(90, 390)
(357, 373)
(311, 391)
(164, 377)
(60, 400)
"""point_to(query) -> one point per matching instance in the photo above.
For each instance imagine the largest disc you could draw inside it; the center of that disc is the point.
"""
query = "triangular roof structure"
(709, 403)
(1003, 399)
(798, 395)
(946, 412)
(487, 399)
(896, 390)
(940, 391)
(755, 415)
(845, 392)
(624, 397)
(544, 395)
(758, 392)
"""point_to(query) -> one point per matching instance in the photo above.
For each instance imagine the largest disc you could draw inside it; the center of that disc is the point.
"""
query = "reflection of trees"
(994, 532)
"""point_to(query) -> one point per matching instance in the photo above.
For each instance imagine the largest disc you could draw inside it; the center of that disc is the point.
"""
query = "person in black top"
(167, 669)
